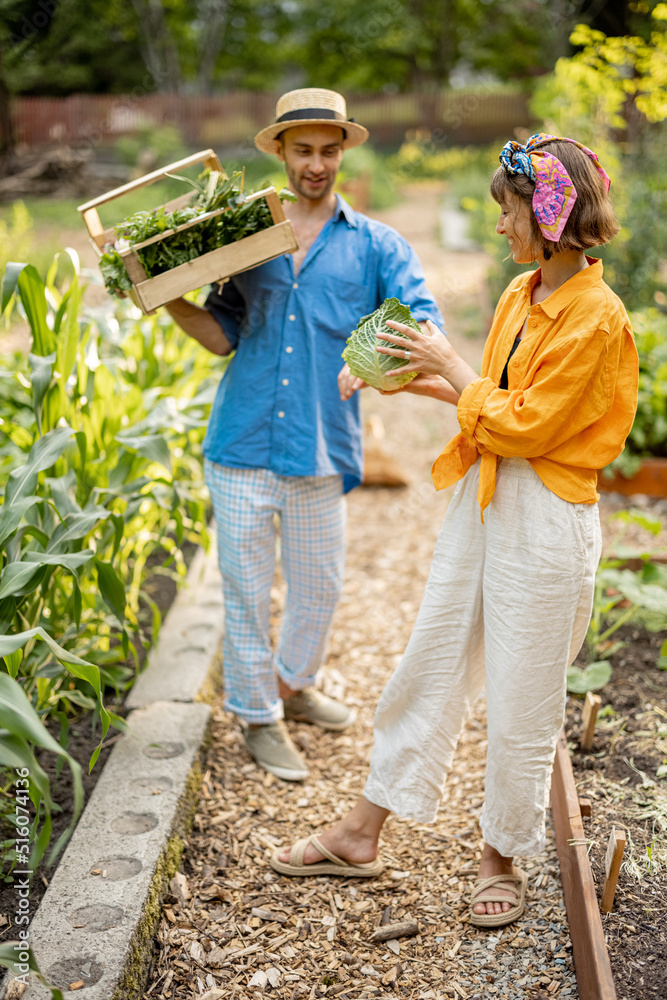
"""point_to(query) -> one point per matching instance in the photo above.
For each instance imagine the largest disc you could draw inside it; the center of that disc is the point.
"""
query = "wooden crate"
(149, 293)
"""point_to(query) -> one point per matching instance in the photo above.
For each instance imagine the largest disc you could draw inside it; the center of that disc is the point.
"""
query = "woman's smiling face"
(514, 223)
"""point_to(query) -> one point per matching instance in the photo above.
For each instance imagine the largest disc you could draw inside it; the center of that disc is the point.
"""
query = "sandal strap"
(298, 851)
(329, 855)
(480, 893)
(484, 883)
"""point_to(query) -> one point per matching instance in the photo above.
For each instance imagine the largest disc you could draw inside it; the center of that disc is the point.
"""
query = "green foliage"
(648, 436)
(591, 678)
(22, 731)
(9, 961)
(621, 595)
(426, 158)
(197, 46)
(617, 86)
(100, 471)
(150, 146)
(369, 167)
(240, 217)
(16, 234)
(408, 46)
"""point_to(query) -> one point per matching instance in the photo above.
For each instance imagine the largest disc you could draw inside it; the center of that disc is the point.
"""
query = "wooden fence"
(231, 120)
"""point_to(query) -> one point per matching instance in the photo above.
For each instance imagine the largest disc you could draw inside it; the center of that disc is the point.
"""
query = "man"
(283, 439)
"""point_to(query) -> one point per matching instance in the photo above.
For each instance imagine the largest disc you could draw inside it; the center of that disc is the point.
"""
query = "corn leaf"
(45, 451)
(33, 297)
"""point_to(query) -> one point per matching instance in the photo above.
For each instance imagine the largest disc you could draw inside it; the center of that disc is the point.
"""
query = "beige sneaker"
(313, 706)
(272, 748)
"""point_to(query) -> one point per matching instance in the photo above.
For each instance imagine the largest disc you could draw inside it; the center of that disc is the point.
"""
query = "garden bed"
(83, 739)
(618, 775)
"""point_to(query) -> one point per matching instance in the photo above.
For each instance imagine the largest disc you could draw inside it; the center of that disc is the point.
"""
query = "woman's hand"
(349, 383)
(428, 352)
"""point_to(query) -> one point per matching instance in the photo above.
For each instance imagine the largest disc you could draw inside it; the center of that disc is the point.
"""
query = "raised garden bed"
(651, 480)
(619, 774)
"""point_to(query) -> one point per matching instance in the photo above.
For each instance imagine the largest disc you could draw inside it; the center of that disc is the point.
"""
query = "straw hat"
(310, 106)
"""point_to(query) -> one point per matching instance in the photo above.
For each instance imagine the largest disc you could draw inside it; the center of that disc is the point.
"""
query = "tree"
(616, 87)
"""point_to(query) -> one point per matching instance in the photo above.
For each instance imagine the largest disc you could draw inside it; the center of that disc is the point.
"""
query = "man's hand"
(349, 383)
(427, 385)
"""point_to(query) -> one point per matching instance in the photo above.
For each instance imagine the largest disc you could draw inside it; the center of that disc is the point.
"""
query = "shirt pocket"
(341, 303)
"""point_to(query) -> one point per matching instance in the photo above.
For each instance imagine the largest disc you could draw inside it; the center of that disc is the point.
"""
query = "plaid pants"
(311, 511)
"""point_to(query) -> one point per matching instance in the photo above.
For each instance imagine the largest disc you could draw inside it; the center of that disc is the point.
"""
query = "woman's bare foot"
(353, 838)
(493, 863)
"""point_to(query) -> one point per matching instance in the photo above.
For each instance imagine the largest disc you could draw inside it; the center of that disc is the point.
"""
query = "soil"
(618, 776)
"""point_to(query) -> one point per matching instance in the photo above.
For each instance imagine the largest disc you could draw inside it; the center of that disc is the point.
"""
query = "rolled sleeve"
(228, 308)
(470, 405)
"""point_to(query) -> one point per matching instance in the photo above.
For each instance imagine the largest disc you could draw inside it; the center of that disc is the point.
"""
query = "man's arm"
(200, 324)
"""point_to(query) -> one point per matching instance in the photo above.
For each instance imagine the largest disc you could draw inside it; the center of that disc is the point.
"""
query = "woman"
(510, 593)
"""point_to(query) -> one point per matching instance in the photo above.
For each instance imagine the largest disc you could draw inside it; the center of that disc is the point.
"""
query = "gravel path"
(236, 929)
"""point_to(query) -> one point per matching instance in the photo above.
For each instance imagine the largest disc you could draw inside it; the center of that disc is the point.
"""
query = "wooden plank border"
(591, 958)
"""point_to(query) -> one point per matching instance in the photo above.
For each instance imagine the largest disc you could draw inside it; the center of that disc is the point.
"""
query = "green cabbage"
(362, 358)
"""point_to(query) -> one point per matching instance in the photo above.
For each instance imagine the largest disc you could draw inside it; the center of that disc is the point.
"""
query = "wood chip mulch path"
(234, 928)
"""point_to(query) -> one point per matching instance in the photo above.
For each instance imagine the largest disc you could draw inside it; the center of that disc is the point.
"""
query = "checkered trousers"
(311, 514)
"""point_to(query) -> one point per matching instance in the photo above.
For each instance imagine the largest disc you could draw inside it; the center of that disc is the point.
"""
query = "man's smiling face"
(312, 156)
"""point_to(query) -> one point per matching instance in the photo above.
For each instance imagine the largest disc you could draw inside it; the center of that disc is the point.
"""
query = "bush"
(16, 235)
(648, 437)
(151, 147)
(428, 159)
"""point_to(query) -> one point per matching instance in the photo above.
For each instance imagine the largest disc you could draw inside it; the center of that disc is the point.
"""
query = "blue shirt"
(277, 406)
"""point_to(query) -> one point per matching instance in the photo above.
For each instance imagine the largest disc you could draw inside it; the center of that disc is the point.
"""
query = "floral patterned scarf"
(555, 194)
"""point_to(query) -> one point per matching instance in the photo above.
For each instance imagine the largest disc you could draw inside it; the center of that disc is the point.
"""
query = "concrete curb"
(98, 917)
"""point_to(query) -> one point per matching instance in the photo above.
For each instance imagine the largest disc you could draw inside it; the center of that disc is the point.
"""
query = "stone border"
(99, 915)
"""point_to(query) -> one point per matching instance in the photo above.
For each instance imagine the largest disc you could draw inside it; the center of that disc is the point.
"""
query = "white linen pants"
(311, 510)
(509, 602)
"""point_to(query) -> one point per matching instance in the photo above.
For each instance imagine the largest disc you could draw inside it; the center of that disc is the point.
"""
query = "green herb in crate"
(213, 190)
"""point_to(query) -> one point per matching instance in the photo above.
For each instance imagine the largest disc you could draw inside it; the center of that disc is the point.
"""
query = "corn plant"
(76, 553)
(100, 471)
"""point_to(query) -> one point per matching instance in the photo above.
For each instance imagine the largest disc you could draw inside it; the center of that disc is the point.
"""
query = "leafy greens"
(213, 190)
(362, 358)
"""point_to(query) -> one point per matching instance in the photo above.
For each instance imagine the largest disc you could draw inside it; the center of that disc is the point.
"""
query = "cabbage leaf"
(362, 358)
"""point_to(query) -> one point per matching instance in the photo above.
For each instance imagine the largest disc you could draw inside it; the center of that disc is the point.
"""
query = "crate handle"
(206, 156)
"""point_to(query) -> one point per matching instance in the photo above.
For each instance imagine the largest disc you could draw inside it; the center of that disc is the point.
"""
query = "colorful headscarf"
(555, 194)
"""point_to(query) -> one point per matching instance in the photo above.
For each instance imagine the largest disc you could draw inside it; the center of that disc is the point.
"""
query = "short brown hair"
(592, 220)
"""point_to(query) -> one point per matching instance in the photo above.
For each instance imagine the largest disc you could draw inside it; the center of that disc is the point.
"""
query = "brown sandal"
(332, 866)
(481, 894)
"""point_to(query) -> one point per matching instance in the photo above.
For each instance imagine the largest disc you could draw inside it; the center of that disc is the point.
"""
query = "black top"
(503, 377)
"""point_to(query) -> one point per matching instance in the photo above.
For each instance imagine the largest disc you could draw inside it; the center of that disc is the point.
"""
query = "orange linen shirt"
(572, 389)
